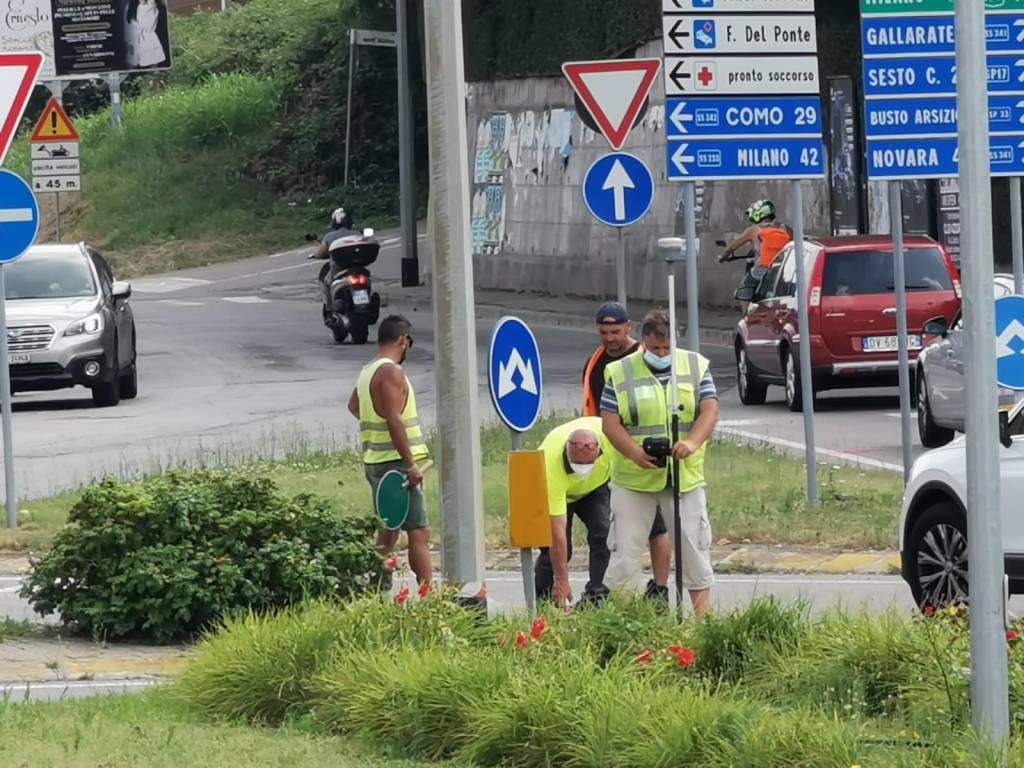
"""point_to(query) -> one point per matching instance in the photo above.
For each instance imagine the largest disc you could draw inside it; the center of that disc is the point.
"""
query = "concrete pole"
(455, 359)
(406, 151)
(989, 697)
(116, 104)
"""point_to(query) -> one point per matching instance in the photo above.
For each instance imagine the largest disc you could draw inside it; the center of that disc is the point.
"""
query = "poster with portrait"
(93, 37)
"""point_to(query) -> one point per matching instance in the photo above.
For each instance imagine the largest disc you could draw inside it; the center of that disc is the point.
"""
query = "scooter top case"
(354, 251)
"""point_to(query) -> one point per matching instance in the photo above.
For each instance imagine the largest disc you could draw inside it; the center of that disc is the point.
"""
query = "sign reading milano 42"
(931, 6)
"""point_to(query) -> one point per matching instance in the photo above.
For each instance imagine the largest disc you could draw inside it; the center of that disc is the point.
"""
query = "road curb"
(492, 312)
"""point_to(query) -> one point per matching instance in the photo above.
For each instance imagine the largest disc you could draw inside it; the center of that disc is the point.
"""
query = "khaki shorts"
(417, 518)
(633, 514)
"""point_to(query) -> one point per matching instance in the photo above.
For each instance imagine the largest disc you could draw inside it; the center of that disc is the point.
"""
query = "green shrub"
(168, 556)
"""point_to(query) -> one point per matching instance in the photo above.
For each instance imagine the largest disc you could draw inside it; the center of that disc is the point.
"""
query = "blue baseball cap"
(612, 313)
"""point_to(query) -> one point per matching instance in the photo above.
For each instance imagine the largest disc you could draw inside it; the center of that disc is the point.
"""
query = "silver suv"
(69, 324)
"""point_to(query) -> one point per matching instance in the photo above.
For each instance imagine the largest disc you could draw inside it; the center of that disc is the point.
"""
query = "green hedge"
(165, 557)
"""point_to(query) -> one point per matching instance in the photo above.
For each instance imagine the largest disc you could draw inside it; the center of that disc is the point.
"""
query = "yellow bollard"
(529, 524)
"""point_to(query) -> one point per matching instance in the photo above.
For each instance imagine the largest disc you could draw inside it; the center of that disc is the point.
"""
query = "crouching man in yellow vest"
(636, 406)
(392, 438)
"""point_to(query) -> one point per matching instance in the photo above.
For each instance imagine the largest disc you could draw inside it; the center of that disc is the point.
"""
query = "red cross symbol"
(705, 76)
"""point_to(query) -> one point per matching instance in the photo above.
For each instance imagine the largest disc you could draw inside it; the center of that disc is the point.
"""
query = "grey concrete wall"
(529, 152)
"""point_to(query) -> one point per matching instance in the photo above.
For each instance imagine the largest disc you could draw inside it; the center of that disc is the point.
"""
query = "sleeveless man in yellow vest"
(636, 406)
(392, 437)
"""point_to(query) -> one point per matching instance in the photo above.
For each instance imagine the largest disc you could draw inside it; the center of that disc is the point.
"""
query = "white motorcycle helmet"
(341, 219)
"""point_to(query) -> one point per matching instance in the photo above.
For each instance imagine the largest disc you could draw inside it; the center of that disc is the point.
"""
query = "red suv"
(852, 312)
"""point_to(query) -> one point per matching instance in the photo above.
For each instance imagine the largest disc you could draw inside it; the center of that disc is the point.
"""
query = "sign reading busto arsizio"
(931, 6)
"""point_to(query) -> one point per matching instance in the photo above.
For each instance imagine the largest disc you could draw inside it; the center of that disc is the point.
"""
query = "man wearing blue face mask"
(637, 421)
(577, 460)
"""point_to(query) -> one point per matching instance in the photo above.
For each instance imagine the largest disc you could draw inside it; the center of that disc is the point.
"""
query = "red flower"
(1012, 636)
(644, 657)
(402, 596)
(391, 563)
(686, 657)
(522, 639)
(929, 610)
(539, 627)
(424, 589)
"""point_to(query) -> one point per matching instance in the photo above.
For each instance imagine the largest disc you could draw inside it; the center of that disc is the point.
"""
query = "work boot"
(657, 594)
(593, 598)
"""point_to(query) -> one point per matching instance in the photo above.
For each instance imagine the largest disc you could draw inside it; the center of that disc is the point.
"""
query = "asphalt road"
(235, 362)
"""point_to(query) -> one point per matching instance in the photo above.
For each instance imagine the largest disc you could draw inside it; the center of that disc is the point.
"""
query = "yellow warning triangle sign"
(54, 124)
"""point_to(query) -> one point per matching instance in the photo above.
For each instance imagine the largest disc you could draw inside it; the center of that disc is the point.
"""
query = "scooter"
(348, 302)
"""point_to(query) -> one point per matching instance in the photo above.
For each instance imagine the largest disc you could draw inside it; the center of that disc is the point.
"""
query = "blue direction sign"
(1010, 342)
(936, 116)
(937, 157)
(618, 189)
(929, 76)
(514, 374)
(758, 116)
(19, 217)
(936, 35)
(724, 159)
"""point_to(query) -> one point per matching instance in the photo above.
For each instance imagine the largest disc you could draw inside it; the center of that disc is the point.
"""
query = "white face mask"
(581, 470)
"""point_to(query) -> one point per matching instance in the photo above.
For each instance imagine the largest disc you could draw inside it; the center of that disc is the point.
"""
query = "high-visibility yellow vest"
(645, 409)
(373, 430)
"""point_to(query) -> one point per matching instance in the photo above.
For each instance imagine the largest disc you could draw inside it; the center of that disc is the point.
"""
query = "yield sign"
(614, 92)
(18, 73)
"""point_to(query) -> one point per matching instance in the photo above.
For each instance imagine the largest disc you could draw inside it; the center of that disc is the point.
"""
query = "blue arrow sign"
(936, 116)
(937, 157)
(723, 159)
(1010, 342)
(19, 217)
(758, 116)
(933, 35)
(514, 374)
(936, 76)
(618, 189)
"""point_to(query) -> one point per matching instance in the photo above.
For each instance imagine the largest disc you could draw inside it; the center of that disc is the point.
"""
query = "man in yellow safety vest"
(392, 437)
(636, 416)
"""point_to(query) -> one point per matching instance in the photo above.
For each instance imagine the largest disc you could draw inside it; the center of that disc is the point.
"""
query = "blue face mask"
(655, 361)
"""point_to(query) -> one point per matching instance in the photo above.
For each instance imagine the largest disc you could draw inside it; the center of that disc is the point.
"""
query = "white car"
(933, 524)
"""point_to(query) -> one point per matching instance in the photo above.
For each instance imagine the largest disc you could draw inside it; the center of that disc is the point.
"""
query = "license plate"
(19, 359)
(360, 298)
(888, 343)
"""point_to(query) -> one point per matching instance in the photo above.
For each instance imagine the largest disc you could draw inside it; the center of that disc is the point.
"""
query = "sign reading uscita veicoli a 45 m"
(910, 80)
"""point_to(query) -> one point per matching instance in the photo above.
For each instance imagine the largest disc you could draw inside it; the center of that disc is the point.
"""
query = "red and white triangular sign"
(18, 73)
(613, 92)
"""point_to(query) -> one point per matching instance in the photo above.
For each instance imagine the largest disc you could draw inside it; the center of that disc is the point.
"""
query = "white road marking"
(245, 300)
(166, 284)
(282, 269)
(913, 415)
(180, 303)
(841, 456)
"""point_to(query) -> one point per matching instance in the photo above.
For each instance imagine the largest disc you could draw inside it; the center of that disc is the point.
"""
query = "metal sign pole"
(1017, 232)
(57, 89)
(348, 104)
(406, 151)
(116, 105)
(989, 685)
(674, 400)
(5, 405)
(899, 278)
(620, 268)
(692, 287)
(803, 319)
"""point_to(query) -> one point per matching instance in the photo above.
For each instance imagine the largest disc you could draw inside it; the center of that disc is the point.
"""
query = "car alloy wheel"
(790, 378)
(942, 566)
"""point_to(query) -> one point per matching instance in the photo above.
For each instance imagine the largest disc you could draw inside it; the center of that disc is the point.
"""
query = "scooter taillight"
(357, 279)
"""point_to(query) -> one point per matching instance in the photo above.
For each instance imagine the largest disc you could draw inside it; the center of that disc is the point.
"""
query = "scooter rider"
(766, 236)
(341, 226)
